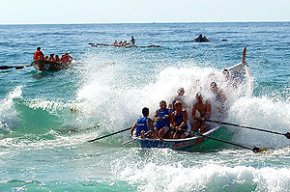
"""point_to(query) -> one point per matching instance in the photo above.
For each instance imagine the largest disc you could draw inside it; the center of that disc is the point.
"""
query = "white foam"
(212, 177)
(8, 115)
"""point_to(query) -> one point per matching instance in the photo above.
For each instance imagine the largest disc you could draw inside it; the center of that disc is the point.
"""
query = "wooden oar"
(287, 135)
(5, 67)
(254, 149)
(123, 130)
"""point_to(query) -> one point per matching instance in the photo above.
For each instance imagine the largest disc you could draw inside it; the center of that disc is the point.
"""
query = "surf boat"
(186, 144)
(124, 46)
(42, 65)
(242, 75)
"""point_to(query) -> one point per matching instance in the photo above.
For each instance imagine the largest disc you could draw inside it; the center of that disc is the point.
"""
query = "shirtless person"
(200, 112)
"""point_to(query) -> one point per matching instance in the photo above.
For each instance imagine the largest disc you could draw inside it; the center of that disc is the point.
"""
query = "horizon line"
(159, 22)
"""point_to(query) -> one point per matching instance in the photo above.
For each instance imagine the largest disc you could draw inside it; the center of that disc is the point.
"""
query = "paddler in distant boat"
(38, 55)
(57, 59)
(201, 111)
(132, 41)
(161, 117)
(51, 58)
(178, 122)
(115, 43)
(143, 125)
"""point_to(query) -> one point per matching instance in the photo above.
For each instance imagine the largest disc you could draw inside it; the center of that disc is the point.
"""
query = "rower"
(51, 58)
(132, 41)
(57, 59)
(161, 118)
(178, 121)
(143, 125)
(200, 112)
(38, 55)
(179, 97)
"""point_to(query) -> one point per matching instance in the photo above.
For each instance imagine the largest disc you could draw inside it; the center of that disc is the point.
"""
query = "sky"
(141, 11)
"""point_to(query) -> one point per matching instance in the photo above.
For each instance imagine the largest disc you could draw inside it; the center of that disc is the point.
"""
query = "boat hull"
(49, 65)
(187, 144)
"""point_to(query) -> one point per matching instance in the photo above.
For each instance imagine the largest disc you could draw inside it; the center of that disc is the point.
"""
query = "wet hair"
(181, 89)
(177, 103)
(213, 84)
(38, 48)
(226, 70)
(145, 111)
(162, 102)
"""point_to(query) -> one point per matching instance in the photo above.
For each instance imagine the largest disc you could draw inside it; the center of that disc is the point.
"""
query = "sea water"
(47, 118)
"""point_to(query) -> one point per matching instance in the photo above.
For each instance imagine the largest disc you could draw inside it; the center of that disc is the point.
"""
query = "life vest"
(142, 124)
(178, 119)
(38, 55)
(162, 122)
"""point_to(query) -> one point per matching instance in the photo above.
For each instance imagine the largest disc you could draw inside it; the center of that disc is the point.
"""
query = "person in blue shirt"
(161, 118)
(143, 126)
(178, 121)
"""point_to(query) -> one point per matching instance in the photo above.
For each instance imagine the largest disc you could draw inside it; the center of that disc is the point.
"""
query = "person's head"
(145, 112)
(180, 91)
(162, 104)
(56, 56)
(200, 35)
(46, 57)
(51, 55)
(198, 97)
(38, 49)
(213, 86)
(226, 72)
(178, 106)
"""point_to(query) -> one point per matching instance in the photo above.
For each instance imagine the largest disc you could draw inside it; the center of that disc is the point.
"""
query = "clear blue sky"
(140, 11)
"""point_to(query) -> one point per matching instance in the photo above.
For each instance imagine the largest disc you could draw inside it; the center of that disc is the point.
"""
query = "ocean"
(47, 118)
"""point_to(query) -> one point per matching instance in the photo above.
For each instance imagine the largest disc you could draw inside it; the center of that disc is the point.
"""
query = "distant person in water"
(143, 125)
(132, 41)
(38, 55)
(201, 38)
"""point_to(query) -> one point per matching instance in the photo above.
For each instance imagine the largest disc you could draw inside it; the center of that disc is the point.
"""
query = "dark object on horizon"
(201, 38)
(224, 40)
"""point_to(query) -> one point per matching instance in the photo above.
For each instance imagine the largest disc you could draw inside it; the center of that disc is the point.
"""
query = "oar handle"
(110, 134)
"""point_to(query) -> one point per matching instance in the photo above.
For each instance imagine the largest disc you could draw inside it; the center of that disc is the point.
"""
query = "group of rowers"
(124, 43)
(39, 56)
(173, 121)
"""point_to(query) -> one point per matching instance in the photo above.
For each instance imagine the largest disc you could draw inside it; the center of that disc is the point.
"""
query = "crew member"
(162, 119)
(178, 121)
(38, 55)
(200, 112)
(143, 125)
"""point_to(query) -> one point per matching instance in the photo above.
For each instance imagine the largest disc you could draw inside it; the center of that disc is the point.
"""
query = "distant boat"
(42, 65)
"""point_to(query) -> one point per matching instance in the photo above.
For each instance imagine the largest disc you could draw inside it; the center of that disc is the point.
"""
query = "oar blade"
(259, 149)
(287, 135)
